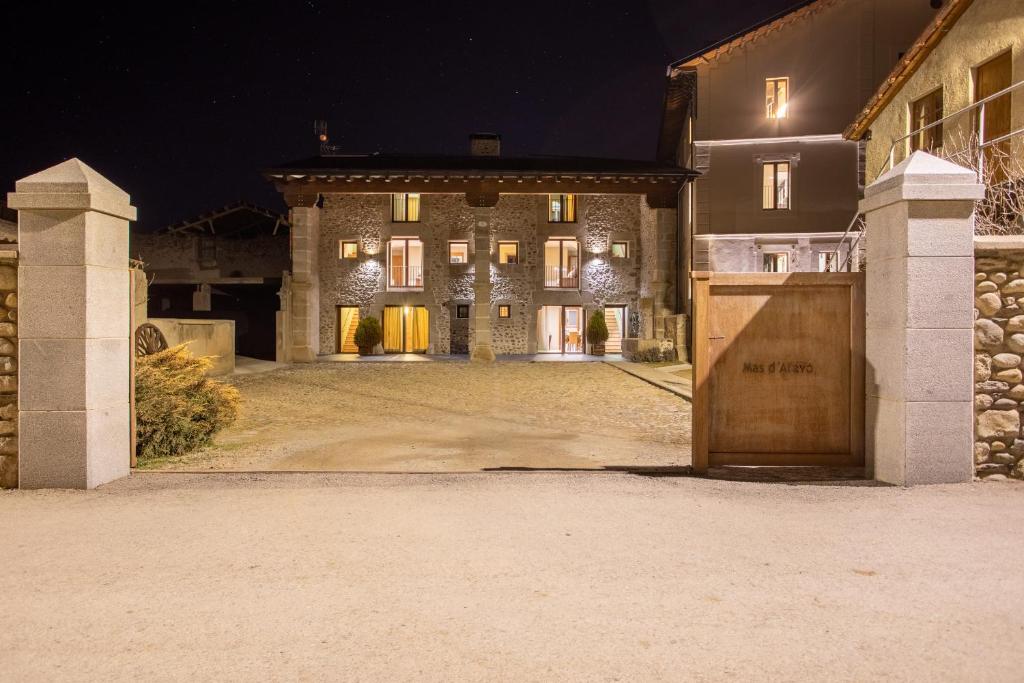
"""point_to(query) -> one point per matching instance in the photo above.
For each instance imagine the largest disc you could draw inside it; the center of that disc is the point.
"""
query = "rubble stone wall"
(8, 371)
(999, 358)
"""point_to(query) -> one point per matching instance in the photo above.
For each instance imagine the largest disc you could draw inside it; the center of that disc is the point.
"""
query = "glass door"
(572, 324)
(406, 329)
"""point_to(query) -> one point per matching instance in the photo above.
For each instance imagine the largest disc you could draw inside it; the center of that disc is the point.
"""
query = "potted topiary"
(368, 335)
(597, 333)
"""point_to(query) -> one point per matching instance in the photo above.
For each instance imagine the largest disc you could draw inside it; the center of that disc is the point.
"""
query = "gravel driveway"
(510, 577)
(448, 417)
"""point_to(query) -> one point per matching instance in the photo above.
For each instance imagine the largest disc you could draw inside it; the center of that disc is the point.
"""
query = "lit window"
(508, 252)
(827, 262)
(405, 263)
(405, 207)
(561, 208)
(458, 252)
(462, 311)
(776, 98)
(349, 249)
(777, 262)
(776, 185)
(620, 249)
(504, 311)
(923, 112)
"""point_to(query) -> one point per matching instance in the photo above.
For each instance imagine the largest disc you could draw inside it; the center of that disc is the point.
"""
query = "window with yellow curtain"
(417, 330)
(392, 329)
(561, 208)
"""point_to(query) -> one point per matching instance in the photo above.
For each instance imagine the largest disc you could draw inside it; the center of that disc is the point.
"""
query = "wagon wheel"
(149, 340)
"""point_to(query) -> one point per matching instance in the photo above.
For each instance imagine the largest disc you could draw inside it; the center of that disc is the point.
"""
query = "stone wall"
(169, 256)
(999, 354)
(8, 370)
(361, 282)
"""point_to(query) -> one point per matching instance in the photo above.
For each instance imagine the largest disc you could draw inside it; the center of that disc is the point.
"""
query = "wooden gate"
(778, 369)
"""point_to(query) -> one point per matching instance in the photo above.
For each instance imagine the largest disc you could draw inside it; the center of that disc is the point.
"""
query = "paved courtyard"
(448, 416)
(510, 577)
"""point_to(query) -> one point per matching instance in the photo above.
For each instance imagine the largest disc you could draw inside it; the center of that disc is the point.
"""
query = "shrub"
(177, 407)
(652, 355)
(597, 328)
(368, 334)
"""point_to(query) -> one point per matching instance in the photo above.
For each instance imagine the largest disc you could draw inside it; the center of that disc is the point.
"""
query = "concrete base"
(482, 354)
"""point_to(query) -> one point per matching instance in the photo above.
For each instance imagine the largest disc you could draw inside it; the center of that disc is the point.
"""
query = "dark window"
(504, 311)
(462, 311)
(923, 112)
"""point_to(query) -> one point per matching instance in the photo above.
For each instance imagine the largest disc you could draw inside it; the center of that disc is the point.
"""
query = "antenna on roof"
(320, 130)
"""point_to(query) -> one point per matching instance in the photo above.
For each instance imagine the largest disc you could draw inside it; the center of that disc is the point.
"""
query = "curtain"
(570, 208)
(413, 207)
(419, 330)
(392, 329)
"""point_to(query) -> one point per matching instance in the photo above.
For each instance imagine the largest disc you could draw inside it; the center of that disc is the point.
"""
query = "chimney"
(485, 145)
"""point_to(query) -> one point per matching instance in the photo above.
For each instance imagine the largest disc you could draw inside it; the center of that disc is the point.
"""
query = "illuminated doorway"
(348, 321)
(560, 329)
(615, 319)
(406, 329)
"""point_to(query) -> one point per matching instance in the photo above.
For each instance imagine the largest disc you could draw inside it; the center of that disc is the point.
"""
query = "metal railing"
(561, 278)
(902, 143)
(408, 277)
(980, 105)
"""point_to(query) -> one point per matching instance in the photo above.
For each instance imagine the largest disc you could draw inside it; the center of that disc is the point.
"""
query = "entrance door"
(615, 319)
(560, 329)
(406, 329)
(348, 320)
(992, 77)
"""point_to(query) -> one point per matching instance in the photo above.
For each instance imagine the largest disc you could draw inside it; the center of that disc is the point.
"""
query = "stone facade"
(8, 369)
(645, 277)
(999, 350)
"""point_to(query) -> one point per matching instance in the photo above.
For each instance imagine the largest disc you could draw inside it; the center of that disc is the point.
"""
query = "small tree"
(368, 335)
(597, 332)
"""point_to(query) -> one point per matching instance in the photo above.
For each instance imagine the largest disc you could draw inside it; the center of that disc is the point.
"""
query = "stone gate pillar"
(920, 317)
(482, 350)
(304, 326)
(74, 348)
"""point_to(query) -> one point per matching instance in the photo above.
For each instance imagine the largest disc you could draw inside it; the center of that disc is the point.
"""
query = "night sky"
(182, 104)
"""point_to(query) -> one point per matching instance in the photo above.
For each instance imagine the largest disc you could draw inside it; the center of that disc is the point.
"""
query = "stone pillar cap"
(71, 185)
(925, 177)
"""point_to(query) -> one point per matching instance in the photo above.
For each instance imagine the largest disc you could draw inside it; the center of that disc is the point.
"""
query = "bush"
(652, 355)
(177, 408)
(368, 334)
(597, 328)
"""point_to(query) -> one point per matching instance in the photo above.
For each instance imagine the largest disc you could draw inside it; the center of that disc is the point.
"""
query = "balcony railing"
(962, 139)
(405, 277)
(561, 278)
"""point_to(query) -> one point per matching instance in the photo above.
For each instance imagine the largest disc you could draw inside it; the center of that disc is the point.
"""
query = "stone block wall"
(999, 357)
(8, 370)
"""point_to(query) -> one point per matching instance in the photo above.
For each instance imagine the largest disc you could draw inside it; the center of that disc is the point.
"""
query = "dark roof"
(445, 164)
(239, 219)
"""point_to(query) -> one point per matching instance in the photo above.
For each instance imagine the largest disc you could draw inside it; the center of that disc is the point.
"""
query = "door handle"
(711, 338)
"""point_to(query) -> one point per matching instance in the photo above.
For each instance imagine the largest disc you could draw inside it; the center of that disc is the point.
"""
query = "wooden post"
(701, 371)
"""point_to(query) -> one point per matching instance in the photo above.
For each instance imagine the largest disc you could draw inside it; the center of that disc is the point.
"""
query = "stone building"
(480, 254)
(760, 115)
(225, 264)
(930, 101)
